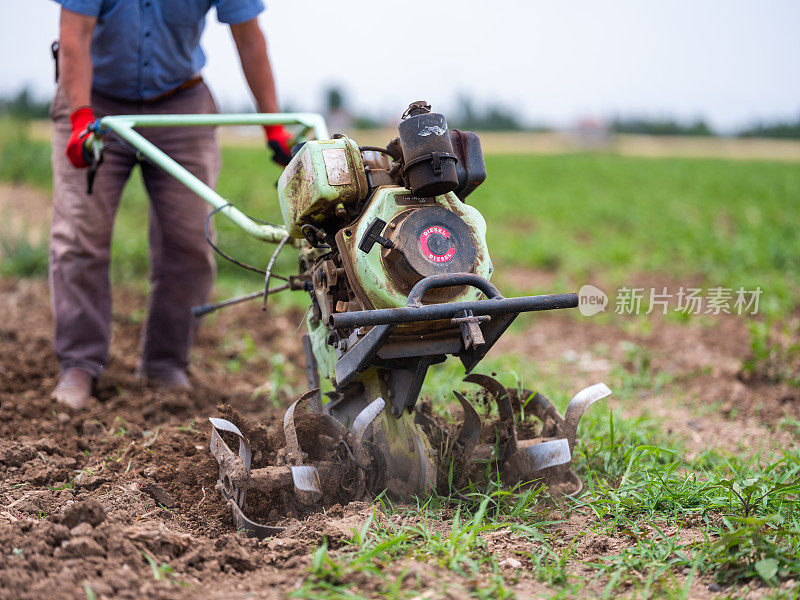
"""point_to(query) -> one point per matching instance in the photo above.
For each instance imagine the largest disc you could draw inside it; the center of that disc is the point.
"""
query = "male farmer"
(135, 57)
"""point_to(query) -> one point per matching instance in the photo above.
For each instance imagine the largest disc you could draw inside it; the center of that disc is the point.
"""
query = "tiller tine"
(534, 456)
(305, 478)
(234, 476)
(578, 405)
(336, 460)
(547, 457)
(470, 433)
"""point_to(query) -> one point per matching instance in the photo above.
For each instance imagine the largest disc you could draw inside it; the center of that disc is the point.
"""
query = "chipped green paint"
(323, 352)
(323, 174)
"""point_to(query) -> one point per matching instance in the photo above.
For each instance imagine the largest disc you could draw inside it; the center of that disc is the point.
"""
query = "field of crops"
(691, 468)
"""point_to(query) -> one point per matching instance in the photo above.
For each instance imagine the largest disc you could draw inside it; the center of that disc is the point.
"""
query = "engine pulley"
(429, 241)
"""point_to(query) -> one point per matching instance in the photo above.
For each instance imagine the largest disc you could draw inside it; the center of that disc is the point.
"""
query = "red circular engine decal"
(429, 254)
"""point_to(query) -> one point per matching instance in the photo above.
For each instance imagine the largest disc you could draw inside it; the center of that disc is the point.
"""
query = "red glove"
(278, 140)
(76, 152)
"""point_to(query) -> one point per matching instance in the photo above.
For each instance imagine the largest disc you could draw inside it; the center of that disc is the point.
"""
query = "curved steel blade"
(306, 483)
(507, 442)
(365, 419)
(579, 403)
(251, 528)
(244, 450)
(497, 390)
(539, 404)
(530, 459)
(471, 430)
(305, 478)
(543, 408)
(491, 384)
(293, 451)
(362, 421)
(224, 425)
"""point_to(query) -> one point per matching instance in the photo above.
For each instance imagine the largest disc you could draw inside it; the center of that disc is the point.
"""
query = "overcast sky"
(731, 62)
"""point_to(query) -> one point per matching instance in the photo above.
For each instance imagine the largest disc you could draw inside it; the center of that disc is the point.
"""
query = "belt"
(186, 85)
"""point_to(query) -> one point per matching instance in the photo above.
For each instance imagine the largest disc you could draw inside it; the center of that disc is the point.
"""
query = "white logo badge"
(591, 300)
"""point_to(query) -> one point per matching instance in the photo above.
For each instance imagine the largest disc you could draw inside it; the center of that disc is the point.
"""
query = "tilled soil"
(118, 501)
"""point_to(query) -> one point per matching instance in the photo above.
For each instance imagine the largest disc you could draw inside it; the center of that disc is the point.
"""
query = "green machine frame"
(312, 127)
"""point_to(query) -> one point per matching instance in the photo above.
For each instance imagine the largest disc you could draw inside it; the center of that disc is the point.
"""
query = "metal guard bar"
(415, 311)
(123, 126)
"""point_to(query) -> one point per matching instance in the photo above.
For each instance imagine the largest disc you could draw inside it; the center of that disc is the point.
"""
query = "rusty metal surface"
(491, 332)
(471, 332)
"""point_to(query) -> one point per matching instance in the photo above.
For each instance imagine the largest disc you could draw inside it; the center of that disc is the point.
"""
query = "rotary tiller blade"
(234, 477)
(308, 489)
(547, 457)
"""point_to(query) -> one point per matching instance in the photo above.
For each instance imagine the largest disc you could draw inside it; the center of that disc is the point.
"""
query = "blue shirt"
(143, 48)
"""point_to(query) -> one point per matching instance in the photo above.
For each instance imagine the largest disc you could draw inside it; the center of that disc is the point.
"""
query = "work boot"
(174, 379)
(74, 388)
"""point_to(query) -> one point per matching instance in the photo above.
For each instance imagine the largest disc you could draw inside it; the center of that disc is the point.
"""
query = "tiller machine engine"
(398, 273)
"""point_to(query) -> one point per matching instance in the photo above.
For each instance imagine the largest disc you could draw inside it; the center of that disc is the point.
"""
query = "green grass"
(730, 518)
(22, 159)
(680, 519)
(21, 257)
(744, 509)
(590, 217)
(612, 217)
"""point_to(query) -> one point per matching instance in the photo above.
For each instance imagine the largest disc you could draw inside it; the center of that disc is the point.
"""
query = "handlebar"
(123, 126)
(415, 311)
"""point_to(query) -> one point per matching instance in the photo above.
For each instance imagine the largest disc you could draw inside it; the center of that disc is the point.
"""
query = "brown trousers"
(182, 267)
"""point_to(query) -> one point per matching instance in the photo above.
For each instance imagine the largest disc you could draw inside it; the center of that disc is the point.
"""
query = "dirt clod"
(159, 494)
(90, 512)
(79, 547)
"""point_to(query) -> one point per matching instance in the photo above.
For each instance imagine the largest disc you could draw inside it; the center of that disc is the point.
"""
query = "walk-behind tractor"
(397, 270)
